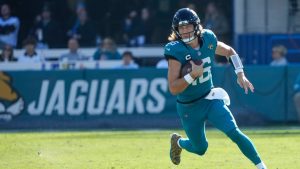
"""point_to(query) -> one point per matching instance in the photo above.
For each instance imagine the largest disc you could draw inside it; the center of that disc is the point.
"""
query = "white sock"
(178, 143)
(261, 166)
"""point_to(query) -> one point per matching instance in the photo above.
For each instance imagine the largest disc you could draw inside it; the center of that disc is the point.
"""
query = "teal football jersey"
(182, 52)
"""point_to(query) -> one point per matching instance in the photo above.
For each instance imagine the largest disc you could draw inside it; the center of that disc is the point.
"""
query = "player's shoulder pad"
(208, 32)
(210, 36)
(176, 49)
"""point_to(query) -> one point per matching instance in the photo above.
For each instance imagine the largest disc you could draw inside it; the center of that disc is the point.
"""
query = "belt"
(194, 100)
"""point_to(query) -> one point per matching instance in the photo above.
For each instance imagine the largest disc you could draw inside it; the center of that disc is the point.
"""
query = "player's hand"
(244, 82)
(197, 70)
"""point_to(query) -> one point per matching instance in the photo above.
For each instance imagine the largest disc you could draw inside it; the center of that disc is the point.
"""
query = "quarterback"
(197, 99)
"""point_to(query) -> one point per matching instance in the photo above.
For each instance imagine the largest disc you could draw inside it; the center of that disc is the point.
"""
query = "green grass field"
(279, 148)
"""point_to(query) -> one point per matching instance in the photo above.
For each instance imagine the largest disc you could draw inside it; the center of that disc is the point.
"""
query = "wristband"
(188, 78)
(238, 71)
(237, 63)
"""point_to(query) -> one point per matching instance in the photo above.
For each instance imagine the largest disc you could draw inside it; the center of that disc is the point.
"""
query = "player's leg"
(196, 141)
(193, 122)
(222, 118)
(194, 127)
(246, 146)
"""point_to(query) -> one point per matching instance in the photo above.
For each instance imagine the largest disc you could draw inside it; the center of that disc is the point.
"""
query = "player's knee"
(200, 150)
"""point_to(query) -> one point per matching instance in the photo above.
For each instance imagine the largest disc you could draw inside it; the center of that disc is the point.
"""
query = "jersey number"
(173, 43)
(206, 71)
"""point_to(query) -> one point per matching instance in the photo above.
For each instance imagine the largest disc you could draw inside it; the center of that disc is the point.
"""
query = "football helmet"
(185, 16)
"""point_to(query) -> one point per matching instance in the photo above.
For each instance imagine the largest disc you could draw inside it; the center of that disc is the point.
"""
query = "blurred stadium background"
(67, 66)
(87, 64)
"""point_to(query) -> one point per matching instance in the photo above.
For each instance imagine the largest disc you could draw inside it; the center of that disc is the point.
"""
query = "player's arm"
(225, 50)
(177, 84)
(230, 54)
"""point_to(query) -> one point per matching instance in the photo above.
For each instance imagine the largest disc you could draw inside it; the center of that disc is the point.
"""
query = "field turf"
(280, 149)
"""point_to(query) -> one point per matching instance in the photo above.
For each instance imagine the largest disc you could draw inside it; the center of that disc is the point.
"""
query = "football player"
(197, 99)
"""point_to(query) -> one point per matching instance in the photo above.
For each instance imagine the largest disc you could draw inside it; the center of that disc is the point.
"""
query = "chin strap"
(189, 40)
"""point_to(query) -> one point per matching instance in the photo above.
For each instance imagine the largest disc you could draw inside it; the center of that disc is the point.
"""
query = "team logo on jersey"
(11, 103)
(199, 53)
(211, 46)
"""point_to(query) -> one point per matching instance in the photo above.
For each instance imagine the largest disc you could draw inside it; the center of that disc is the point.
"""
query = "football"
(187, 68)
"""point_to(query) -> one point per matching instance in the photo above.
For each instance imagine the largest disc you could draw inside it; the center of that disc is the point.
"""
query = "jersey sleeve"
(169, 53)
(174, 50)
(210, 37)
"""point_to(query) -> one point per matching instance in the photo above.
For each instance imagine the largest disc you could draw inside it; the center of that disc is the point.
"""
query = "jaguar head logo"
(11, 103)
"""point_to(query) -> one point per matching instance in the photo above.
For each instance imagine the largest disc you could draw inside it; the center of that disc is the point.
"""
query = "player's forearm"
(232, 56)
(178, 86)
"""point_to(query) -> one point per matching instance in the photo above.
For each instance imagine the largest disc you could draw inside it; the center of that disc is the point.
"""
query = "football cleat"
(175, 150)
